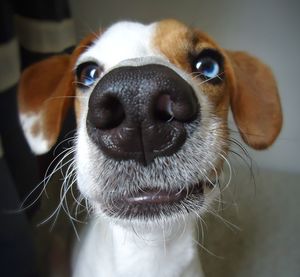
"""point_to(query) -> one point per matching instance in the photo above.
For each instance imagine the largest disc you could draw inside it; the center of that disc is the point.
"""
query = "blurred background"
(266, 211)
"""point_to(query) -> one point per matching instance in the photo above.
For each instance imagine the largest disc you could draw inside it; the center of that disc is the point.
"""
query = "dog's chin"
(156, 204)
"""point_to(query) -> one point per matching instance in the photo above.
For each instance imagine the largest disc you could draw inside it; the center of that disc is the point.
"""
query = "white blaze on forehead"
(122, 41)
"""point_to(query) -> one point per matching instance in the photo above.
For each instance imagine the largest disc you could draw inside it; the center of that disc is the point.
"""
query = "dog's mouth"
(162, 197)
(151, 203)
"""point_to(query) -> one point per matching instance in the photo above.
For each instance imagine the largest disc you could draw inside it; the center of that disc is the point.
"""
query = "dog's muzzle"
(141, 112)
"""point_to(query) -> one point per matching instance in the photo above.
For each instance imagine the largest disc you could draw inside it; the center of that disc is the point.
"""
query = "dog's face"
(151, 104)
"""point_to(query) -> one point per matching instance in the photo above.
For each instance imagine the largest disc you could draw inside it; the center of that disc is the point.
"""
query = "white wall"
(268, 29)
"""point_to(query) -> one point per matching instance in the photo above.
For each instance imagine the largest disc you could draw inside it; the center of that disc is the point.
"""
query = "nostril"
(108, 113)
(181, 107)
(185, 111)
(163, 108)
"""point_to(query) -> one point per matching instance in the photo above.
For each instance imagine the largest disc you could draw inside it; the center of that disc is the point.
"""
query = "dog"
(151, 104)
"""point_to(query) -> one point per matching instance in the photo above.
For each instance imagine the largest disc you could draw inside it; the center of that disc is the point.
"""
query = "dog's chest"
(113, 251)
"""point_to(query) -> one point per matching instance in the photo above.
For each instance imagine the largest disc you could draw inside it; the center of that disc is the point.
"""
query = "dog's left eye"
(208, 65)
(87, 74)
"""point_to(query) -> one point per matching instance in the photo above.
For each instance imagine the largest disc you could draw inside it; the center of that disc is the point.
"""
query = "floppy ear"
(43, 101)
(255, 101)
(46, 90)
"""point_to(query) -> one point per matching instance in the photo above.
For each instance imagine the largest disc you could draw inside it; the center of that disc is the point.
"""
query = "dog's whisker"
(245, 157)
(216, 175)
(79, 203)
(83, 84)
(56, 212)
(229, 224)
(206, 249)
(43, 183)
(201, 222)
(66, 97)
(230, 171)
(69, 187)
(68, 139)
(196, 75)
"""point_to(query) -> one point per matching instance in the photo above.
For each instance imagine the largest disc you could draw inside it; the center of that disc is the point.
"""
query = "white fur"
(118, 251)
(160, 248)
(37, 142)
(122, 41)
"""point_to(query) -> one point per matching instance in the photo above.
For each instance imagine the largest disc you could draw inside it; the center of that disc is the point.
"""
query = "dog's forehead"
(123, 40)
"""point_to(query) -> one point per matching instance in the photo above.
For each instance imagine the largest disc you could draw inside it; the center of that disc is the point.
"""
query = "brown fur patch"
(47, 88)
(39, 81)
(175, 41)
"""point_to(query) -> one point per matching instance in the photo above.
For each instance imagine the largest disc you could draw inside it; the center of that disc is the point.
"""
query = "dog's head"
(151, 104)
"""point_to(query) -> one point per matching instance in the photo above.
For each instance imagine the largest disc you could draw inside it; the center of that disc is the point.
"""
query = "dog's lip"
(152, 196)
(149, 202)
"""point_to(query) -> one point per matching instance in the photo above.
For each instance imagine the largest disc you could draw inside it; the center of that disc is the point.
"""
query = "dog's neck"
(114, 250)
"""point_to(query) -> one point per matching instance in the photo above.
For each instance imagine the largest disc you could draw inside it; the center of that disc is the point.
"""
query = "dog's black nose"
(141, 112)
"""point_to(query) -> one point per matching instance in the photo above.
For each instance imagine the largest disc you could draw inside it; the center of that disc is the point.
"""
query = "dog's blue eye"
(87, 74)
(208, 67)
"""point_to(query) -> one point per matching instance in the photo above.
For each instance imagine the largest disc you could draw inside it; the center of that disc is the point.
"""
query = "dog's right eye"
(87, 74)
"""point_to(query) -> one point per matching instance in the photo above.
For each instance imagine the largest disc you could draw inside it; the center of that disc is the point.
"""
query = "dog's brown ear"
(254, 100)
(46, 90)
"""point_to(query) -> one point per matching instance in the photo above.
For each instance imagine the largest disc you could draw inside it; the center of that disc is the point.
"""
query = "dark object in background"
(29, 31)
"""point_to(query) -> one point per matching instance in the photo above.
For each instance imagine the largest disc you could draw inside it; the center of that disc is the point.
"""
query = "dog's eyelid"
(210, 52)
(87, 62)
